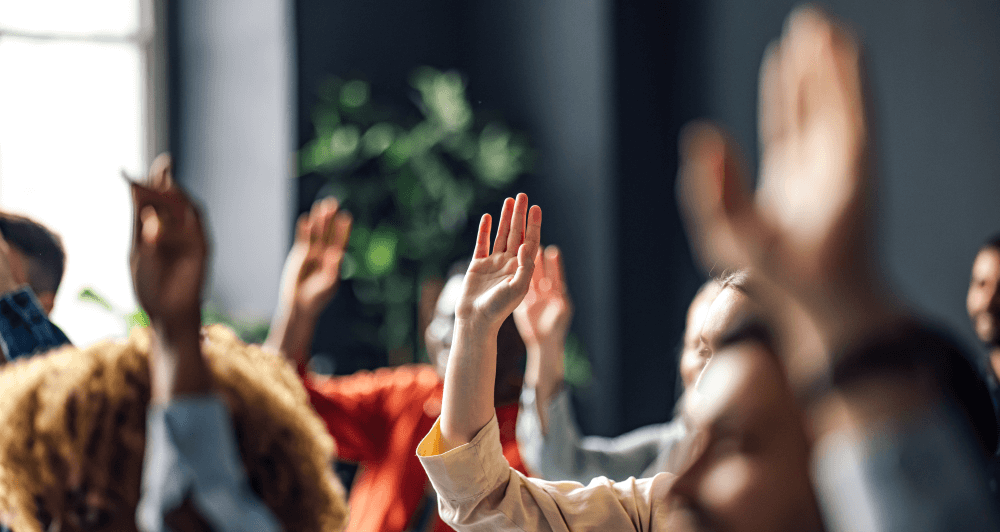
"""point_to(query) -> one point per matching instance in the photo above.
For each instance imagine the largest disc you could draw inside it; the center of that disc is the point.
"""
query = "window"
(74, 112)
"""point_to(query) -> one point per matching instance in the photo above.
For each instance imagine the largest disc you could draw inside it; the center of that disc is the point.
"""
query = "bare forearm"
(291, 333)
(178, 365)
(467, 404)
(544, 373)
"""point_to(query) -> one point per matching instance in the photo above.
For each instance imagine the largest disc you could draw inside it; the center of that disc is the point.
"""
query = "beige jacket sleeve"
(477, 490)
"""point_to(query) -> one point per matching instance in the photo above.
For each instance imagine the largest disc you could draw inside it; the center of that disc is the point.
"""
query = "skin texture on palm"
(310, 278)
(493, 287)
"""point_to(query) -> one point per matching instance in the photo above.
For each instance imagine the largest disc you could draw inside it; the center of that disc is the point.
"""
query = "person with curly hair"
(176, 428)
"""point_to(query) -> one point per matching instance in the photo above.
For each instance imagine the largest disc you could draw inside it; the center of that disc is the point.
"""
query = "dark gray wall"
(548, 66)
(935, 74)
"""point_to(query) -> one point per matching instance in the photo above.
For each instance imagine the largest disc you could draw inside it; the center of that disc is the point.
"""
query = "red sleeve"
(359, 410)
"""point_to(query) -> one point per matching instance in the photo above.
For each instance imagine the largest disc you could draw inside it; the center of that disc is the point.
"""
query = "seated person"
(170, 430)
(378, 417)
(823, 404)
(547, 434)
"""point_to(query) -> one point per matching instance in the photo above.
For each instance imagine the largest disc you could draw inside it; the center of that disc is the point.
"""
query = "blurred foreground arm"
(192, 478)
(310, 278)
(868, 381)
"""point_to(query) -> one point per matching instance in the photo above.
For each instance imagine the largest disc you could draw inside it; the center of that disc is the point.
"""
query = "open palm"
(312, 270)
(807, 225)
(497, 282)
(544, 315)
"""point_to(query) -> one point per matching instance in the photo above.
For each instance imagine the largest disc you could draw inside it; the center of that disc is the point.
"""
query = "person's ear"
(48, 300)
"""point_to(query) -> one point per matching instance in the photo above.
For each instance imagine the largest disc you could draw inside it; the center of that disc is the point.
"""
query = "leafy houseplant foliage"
(412, 180)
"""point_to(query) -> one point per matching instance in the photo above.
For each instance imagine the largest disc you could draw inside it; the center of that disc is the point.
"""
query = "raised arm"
(310, 278)
(493, 287)
(872, 385)
(477, 489)
(543, 319)
(547, 434)
(193, 478)
(168, 260)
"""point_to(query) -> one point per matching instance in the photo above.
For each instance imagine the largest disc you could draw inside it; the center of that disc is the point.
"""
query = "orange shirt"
(377, 419)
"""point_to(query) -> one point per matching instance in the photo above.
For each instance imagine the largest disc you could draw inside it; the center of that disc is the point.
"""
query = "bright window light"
(71, 117)
(118, 17)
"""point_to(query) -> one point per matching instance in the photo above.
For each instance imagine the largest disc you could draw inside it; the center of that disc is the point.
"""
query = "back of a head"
(43, 249)
(74, 424)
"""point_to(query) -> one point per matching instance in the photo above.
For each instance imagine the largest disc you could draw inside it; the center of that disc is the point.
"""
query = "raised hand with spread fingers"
(543, 319)
(808, 230)
(494, 285)
(310, 278)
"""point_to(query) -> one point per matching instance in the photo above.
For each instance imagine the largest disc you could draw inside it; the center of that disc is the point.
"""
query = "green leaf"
(139, 318)
(90, 295)
(380, 258)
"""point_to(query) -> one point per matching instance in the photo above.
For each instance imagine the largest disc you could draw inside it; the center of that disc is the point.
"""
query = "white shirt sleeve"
(478, 491)
(561, 453)
(191, 452)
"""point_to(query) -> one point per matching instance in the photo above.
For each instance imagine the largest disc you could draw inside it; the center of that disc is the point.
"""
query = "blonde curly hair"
(74, 424)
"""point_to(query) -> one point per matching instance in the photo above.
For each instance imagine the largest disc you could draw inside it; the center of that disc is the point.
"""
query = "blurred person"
(547, 433)
(35, 263)
(378, 417)
(40, 253)
(983, 301)
(852, 390)
(983, 304)
(138, 434)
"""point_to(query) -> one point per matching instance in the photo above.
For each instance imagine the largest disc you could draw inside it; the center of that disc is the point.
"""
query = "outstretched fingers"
(554, 268)
(516, 233)
(483, 238)
(341, 232)
(718, 209)
(529, 249)
(500, 244)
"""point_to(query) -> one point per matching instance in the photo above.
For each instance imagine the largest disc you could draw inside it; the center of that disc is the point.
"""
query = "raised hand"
(310, 278)
(544, 315)
(493, 286)
(168, 261)
(312, 270)
(808, 228)
(169, 249)
(497, 282)
(543, 319)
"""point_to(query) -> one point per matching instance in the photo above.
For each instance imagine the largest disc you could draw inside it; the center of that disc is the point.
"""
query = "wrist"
(477, 328)
(177, 366)
(176, 330)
